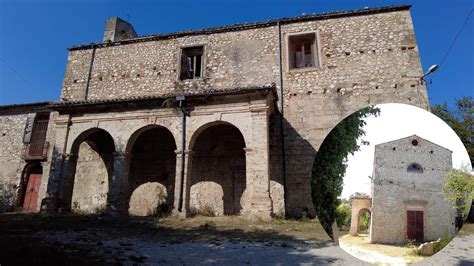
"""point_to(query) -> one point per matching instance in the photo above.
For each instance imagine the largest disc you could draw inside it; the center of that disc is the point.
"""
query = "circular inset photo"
(392, 184)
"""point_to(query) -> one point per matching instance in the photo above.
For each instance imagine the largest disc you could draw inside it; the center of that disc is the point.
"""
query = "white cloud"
(398, 121)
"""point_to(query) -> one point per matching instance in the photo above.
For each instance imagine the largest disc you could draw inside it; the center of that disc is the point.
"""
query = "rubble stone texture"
(396, 190)
(365, 57)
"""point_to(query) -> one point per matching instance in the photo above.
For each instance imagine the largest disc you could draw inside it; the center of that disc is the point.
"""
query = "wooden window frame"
(315, 50)
(202, 65)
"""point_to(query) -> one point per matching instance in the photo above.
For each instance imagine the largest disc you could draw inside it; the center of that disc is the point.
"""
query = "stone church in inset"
(407, 198)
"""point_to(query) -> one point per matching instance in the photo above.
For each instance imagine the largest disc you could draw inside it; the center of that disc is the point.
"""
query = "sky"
(398, 121)
(34, 35)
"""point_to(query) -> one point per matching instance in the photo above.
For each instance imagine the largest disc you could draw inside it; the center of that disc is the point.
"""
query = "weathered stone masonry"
(409, 174)
(364, 57)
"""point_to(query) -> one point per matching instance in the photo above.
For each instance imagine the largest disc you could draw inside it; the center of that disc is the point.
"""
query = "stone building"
(407, 198)
(226, 119)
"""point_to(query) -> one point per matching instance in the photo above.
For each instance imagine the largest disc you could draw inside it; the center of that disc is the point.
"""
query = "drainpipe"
(181, 99)
(90, 73)
(282, 138)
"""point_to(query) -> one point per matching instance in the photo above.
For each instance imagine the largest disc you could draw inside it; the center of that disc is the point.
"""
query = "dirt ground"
(79, 240)
(361, 247)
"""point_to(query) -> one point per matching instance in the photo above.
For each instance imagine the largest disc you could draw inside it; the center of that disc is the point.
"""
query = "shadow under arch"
(29, 169)
(89, 171)
(216, 175)
(150, 157)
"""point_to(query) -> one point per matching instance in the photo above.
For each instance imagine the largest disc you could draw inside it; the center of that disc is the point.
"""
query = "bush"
(343, 215)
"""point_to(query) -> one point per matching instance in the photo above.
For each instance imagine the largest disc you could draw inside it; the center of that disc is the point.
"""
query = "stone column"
(52, 184)
(257, 167)
(177, 183)
(116, 184)
(186, 189)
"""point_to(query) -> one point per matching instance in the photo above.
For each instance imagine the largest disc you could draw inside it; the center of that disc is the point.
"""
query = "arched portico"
(216, 181)
(90, 167)
(150, 171)
(360, 205)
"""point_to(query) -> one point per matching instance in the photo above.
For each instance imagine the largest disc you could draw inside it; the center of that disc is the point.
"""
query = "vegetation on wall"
(331, 162)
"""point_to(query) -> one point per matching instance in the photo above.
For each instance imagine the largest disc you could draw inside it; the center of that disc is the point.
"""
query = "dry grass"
(362, 241)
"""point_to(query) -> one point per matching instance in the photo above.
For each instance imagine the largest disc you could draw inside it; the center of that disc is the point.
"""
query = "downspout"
(90, 73)
(183, 147)
(282, 138)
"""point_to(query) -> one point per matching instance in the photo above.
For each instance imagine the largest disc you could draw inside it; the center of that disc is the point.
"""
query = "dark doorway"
(219, 159)
(415, 225)
(152, 161)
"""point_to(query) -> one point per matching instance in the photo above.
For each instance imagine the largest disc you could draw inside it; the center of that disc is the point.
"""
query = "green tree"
(331, 162)
(461, 121)
(458, 189)
(343, 214)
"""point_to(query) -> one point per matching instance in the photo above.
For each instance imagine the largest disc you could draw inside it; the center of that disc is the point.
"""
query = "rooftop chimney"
(117, 29)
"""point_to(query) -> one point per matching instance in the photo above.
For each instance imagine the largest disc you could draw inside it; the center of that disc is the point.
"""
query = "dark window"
(415, 168)
(191, 63)
(414, 142)
(303, 51)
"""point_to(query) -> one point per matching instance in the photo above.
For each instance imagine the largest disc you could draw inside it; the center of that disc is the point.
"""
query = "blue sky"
(34, 35)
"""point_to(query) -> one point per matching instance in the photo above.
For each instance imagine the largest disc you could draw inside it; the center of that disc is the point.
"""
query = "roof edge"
(246, 26)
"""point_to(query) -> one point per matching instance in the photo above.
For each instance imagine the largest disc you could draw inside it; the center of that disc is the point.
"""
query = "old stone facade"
(227, 119)
(407, 201)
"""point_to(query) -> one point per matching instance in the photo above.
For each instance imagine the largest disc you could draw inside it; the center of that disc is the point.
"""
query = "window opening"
(191, 62)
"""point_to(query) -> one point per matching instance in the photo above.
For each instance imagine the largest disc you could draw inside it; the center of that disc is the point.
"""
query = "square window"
(191, 63)
(302, 51)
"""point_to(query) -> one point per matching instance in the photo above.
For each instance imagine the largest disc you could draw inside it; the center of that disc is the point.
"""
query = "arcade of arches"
(216, 176)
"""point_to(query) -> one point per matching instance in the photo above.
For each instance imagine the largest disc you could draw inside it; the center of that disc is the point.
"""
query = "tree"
(331, 162)
(343, 214)
(458, 189)
(461, 121)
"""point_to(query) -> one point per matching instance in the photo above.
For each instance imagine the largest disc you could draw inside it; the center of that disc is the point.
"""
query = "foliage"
(364, 221)
(458, 189)
(461, 121)
(343, 214)
(444, 241)
(331, 162)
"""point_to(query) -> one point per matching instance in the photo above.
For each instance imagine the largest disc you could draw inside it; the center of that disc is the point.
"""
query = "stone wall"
(394, 190)
(11, 163)
(91, 181)
(365, 60)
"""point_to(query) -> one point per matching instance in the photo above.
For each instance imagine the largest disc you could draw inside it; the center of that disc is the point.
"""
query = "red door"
(32, 191)
(415, 225)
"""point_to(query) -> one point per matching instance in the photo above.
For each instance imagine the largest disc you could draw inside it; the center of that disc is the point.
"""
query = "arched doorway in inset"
(217, 180)
(89, 172)
(151, 164)
(364, 221)
(28, 191)
(361, 215)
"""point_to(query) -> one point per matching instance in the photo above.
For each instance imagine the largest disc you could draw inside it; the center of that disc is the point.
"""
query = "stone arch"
(359, 205)
(24, 201)
(216, 179)
(90, 169)
(205, 126)
(150, 170)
